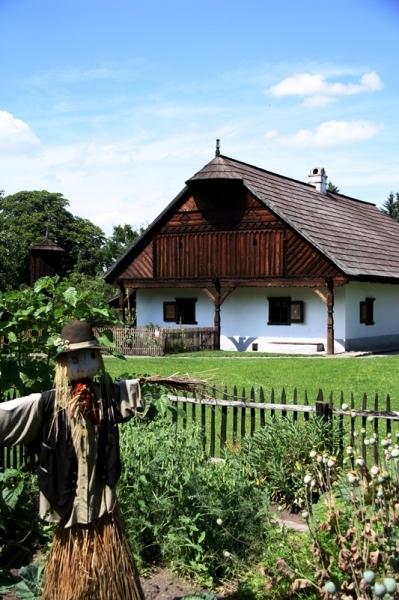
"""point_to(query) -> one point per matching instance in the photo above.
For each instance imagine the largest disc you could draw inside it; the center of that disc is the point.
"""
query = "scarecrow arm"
(21, 420)
(130, 402)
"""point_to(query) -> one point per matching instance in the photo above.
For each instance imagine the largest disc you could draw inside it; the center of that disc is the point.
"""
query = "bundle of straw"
(175, 382)
(91, 562)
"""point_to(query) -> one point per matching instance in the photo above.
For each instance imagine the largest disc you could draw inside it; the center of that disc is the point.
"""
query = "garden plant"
(355, 526)
(204, 519)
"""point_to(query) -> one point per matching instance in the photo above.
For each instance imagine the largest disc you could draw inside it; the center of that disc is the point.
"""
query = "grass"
(359, 375)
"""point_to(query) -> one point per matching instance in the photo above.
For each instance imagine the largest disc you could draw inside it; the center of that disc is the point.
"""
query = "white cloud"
(316, 101)
(318, 91)
(15, 134)
(329, 133)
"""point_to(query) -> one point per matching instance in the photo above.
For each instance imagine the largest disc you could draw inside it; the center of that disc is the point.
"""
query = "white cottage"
(273, 263)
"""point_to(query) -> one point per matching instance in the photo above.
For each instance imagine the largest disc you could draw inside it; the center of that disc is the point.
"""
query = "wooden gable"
(142, 266)
(238, 238)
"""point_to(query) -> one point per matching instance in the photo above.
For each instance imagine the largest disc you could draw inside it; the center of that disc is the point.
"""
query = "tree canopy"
(391, 206)
(30, 323)
(27, 217)
(331, 187)
(122, 237)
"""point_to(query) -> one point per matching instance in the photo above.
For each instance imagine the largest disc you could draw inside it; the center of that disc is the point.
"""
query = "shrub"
(278, 455)
(204, 519)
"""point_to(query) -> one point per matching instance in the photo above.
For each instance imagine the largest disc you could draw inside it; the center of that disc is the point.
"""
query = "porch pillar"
(330, 316)
(122, 294)
(218, 297)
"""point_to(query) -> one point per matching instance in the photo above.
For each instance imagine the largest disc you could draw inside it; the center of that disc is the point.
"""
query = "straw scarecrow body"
(75, 429)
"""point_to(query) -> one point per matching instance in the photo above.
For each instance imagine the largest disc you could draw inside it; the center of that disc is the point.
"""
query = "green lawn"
(359, 375)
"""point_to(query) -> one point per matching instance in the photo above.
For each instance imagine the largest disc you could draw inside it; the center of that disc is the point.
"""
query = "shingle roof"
(355, 235)
(47, 244)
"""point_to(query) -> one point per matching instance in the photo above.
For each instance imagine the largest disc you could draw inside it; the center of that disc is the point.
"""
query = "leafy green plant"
(30, 323)
(30, 586)
(19, 533)
(287, 569)
(278, 455)
(203, 519)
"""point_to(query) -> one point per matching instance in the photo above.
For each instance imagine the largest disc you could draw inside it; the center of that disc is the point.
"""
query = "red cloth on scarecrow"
(84, 399)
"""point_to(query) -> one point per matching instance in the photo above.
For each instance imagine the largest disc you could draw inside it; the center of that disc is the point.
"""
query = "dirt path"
(164, 585)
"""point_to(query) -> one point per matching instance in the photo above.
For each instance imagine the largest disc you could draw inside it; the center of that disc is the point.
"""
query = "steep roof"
(355, 235)
(47, 244)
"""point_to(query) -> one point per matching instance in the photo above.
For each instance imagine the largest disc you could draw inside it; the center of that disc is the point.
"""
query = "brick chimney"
(318, 178)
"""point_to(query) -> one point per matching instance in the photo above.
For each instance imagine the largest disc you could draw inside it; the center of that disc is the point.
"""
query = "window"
(367, 311)
(284, 311)
(181, 311)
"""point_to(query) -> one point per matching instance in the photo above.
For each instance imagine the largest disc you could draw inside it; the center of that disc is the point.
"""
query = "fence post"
(325, 413)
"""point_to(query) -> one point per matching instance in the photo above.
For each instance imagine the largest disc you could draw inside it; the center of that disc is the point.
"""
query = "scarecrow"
(75, 430)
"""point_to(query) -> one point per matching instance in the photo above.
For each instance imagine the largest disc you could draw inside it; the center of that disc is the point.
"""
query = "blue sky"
(116, 103)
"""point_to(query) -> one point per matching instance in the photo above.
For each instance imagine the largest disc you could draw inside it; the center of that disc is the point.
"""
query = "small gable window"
(367, 311)
(181, 311)
(284, 311)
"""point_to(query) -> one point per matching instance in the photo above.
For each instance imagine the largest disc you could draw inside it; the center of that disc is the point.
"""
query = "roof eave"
(137, 243)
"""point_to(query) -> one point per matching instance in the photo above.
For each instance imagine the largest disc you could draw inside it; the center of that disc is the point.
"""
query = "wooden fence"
(230, 415)
(153, 341)
(227, 416)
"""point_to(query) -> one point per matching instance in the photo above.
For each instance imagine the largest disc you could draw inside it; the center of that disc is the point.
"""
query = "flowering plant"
(355, 528)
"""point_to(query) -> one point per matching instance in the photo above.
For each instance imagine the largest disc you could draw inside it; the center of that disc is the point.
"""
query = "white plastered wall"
(244, 316)
(385, 331)
(149, 306)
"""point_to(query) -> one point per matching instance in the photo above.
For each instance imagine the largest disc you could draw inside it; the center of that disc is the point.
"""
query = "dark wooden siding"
(189, 217)
(142, 266)
(303, 259)
(220, 253)
(202, 241)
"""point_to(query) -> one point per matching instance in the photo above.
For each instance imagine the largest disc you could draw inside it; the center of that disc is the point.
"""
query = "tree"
(391, 206)
(30, 323)
(334, 189)
(25, 219)
(122, 237)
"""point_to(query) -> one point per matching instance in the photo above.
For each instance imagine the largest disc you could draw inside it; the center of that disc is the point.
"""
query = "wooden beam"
(272, 282)
(209, 293)
(224, 294)
(122, 293)
(322, 294)
(330, 316)
(217, 297)
(216, 320)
